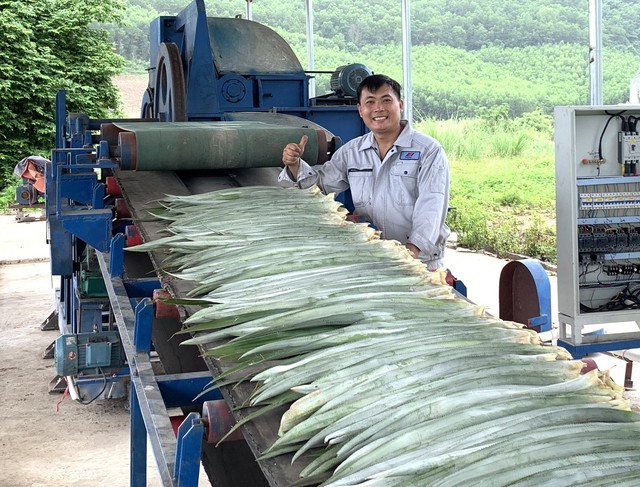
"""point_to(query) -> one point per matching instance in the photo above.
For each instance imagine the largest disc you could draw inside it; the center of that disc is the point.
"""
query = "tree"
(46, 46)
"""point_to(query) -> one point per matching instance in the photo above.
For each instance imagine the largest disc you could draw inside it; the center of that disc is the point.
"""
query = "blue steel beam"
(189, 449)
(579, 351)
(147, 402)
(186, 389)
(178, 460)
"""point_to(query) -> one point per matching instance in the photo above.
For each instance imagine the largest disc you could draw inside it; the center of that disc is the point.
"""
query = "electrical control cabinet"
(598, 226)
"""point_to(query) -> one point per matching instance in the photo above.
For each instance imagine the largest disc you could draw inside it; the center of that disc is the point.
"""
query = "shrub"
(502, 182)
(540, 241)
(509, 143)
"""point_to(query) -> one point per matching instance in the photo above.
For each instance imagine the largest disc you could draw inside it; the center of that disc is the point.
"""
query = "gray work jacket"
(405, 196)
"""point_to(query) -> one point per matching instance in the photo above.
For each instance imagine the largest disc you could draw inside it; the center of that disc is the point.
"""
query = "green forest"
(486, 77)
(467, 56)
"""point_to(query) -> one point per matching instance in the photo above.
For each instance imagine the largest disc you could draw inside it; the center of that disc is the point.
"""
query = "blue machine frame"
(246, 67)
(81, 217)
(151, 396)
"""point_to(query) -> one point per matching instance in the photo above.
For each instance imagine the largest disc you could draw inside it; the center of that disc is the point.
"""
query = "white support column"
(406, 60)
(595, 54)
(310, 48)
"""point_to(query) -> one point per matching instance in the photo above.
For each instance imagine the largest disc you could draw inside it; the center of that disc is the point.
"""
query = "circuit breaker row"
(616, 200)
(621, 270)
(608, 239)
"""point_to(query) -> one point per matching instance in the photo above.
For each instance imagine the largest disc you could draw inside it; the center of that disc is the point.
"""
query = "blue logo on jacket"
(407, 155)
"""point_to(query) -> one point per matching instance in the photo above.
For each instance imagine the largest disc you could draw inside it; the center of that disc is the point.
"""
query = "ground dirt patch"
(132, 88)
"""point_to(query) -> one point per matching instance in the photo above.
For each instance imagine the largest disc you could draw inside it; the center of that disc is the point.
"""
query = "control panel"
(597, 223)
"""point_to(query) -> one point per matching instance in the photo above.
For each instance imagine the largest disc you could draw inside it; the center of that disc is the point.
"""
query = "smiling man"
(399, 178)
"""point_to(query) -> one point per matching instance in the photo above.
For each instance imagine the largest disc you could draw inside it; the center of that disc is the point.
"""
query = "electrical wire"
(616, 276)
(104, 388)
(624, 300)
(64, 396)
(612, 116)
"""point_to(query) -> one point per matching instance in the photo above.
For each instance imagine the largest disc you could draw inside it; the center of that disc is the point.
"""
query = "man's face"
(381, 110)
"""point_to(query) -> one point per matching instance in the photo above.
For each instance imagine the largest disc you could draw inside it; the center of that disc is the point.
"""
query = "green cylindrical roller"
(175, 146)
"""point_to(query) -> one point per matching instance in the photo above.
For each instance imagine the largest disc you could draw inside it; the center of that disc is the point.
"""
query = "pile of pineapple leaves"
(389, 378)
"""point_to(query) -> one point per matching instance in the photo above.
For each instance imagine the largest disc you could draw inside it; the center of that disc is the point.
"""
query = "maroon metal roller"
(218, 420)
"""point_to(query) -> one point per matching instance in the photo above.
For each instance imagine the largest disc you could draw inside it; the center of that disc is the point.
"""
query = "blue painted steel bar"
(138, 453)
(141, 288)
(202, 98)
(97, 201)
(143, 326)
(116, 264)
(188, 451)
(579, 351)
(460, 287)
(185, 389)
(144, 385)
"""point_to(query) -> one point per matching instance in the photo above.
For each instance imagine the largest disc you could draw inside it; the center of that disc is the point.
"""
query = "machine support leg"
(97, 200)
(143, 324)
(188, 451)
(116, 264)
(138, 468)
(628, 374)
(51, 322)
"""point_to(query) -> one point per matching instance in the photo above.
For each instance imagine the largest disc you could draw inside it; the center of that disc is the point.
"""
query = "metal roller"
(218, 419)
(165, 146)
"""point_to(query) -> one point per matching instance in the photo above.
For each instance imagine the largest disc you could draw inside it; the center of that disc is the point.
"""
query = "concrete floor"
(48, 439)
(481, 274)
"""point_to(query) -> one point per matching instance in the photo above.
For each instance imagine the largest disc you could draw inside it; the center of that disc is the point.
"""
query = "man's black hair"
(375, 81)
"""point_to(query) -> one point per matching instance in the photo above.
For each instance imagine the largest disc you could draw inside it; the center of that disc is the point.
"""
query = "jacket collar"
(368, 141)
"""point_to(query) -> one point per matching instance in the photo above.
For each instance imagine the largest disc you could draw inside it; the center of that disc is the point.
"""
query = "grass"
(502, 184)
(8, 194)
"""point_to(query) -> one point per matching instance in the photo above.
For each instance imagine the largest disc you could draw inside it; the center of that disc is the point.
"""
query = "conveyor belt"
(225, 463)
(209, 145)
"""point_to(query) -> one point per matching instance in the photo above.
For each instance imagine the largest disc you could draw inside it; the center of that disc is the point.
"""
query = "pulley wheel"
(146, 110)
(170, 99)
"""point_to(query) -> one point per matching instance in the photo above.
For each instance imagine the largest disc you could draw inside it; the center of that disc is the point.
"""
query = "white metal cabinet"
(598, 225)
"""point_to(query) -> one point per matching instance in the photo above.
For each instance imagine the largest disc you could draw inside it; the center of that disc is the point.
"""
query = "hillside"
(468, 55)
(131, 88)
